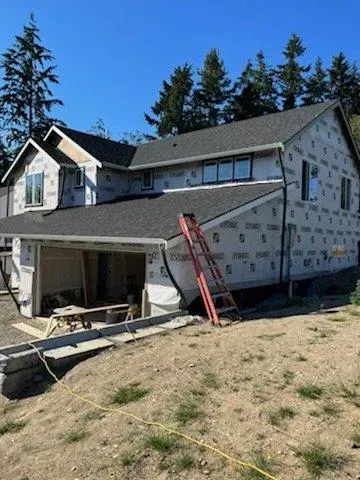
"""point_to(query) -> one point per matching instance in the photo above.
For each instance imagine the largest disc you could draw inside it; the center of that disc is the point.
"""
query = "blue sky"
(112, 55)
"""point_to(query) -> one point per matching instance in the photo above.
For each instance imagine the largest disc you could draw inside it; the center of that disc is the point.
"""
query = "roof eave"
(19, 155)
(92, 239)
(210, 156)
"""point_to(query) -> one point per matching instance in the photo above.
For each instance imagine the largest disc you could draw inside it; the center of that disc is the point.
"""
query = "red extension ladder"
(217, 298)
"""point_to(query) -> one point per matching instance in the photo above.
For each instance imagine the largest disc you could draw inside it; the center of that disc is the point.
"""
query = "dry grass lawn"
(281, 393)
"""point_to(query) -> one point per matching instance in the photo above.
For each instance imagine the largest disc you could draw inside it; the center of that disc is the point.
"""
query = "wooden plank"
(24, 327)
(78, 310)
(86, 277)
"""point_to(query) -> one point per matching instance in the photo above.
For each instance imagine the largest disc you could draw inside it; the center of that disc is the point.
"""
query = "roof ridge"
(63, 129)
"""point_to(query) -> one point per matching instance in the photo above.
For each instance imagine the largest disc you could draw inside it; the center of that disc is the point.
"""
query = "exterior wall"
(77, 196)
(111, 184)
(247, 249)
(322, 226)
(265, 166)
(37, 163)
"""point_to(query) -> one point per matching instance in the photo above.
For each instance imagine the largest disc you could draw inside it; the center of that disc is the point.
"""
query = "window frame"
(146, 187)
(347, 199)
(232, 160)
(33, 189)
(306, 177)
(82, 171)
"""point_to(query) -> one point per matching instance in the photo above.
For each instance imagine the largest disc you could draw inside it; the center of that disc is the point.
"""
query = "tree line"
(188, 100)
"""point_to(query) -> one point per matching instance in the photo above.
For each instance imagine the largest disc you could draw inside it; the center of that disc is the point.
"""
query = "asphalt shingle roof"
(253, 132)
(58, 155)
(271, 128)
(102, 149)
(154, 216)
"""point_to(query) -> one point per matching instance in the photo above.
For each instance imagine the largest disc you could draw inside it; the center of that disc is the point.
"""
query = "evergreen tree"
(213, 92)
(254, 93)
(344, 83)
(355, 127)
(135, 138)
(26, 99)
(172, 112)
(291, 73)
(100, 130)
(4, 159)
(316, 86)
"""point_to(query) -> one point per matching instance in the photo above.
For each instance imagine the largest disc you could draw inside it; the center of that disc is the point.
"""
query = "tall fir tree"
(344, 83)
(213, 92)
(171, 113)
(26, 98)
(317, 85)
(100, 129)
(291, 73)
(254, 93)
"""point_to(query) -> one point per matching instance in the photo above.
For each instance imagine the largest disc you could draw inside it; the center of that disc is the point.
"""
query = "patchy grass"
(310, 391)
(129, 394)
(288, 376)
(161, 443)
(259, 460)
(11, 427)
(127, 459)
(330, 409)
(352, 394)
(355, 437)
(197, 392)
(74, 436)
(188, 411)
(271, 336)
(337, 319)
(318, 458)
(276, 417)
(184, 462)
(209, 380)
(10, 406)
(94, 415)
(300, 358)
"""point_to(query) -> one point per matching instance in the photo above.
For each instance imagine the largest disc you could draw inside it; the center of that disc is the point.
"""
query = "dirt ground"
(9, 315)
(228, 388)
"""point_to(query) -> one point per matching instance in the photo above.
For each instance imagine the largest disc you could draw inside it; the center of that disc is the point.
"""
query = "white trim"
(77, 238)
(223, 185)
(19, 155)
(209, 156)
(233, 213)
(57, 130)
(115, 166)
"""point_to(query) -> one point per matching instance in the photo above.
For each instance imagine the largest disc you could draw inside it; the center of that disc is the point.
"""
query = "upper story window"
(242, 168)
(345, 193)
(79, 177)
(226, 170)
(147, 180)
(34, 189)
(210, 172)
(310, 181)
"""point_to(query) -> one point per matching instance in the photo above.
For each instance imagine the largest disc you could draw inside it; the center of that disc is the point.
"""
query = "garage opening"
(89, 278)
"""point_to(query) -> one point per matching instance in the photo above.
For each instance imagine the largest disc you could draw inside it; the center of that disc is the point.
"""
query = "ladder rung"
(226, 309)
(220, 294)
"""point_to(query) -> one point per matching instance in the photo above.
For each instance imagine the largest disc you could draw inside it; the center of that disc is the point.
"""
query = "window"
(225, 170)
(314, 182)
(242, 168)
(210, 172)
(34, 189)
(310, 181)
(345, 193)
(147, 180)
(79, 177)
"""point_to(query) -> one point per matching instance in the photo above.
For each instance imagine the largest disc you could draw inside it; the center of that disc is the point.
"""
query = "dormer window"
(227, 170)
(80, 177)
(147, 181)
(242, 168)
(34, 189)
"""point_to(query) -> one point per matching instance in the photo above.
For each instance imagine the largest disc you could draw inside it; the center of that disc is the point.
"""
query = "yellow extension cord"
(158, 425)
